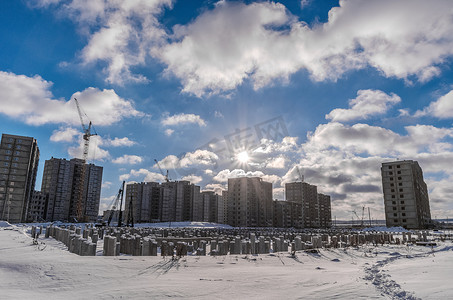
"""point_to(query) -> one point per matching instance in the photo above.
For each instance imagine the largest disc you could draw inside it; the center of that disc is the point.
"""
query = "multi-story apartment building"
(306, 195)
(287, 214)
(37, 206)
(212, 207)
(19, 157)
(249, 202)
(325, 213)
(406, 198)
(166, 202)
(62, 180)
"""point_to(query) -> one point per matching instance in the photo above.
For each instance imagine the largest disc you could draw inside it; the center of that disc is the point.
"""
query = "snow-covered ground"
(48, 271)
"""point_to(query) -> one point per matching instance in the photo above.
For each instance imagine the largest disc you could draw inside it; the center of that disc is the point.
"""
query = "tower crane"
(86, 144)
(167, 179)
(119, 198)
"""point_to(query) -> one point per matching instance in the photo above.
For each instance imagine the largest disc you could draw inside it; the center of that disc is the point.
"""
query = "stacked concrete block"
(110, 246)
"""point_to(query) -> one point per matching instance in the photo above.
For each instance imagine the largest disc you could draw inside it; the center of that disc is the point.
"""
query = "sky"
(327, 90)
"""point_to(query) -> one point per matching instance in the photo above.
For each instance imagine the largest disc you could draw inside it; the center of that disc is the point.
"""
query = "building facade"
(62, 182)
(287, 214)
(37, 207)
(307, 196)
(325, 212)
(406, 198)
(19, 158)
(174, 201)
(249, 202)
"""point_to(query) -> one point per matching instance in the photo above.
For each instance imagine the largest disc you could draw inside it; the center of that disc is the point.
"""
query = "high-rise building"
(37, 206)
(287, 214)
(62, 180)
(249, 202)
(406, 198)
(325, 213)
(306, 195)
(19, 157)
(174, 201)
(212, 207)
(145, 198)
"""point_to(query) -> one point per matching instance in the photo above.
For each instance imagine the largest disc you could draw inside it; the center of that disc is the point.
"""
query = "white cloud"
(119, 33)
(169, 131)
(223, 175)
(276, 163)
(181, 119)
(120, 142)
(128, 159)
(234, 42)
(95, 152)
(368, 103)
(144, 175)
(216, 187)
(64, 134)
(196, 158)
(106, 184)
(30, 99)
(442, 108)
(193, 178)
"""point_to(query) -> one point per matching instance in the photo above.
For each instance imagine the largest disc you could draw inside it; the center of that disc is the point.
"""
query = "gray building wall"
(406, 198)
(62, 180)
(19, 157)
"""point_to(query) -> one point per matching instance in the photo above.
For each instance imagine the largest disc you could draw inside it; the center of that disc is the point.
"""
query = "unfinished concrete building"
(324, 209)
(62, 180)
(406, 198)
(19, 157)
(306, 195)
(250, 202)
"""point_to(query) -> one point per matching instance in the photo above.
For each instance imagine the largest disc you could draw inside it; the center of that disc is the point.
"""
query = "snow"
(4, 224)
(46, 270)
(386, 229)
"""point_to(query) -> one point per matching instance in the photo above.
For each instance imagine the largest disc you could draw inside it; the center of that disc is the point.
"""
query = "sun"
(243, 157)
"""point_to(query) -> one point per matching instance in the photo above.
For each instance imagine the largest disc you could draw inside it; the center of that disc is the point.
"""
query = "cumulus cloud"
(368, 103)
(169, 131)
(120, 142)
(196, 158)
(234, 42)
(128, 159)
(143, 175)
(193, 178)
(95, 152)
(182, 119)
(442, 108)
(64, 134)
(223, 175)
(119, 33)
(30, 99)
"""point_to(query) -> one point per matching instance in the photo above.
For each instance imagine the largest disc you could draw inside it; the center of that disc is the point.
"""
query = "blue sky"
(346, 86)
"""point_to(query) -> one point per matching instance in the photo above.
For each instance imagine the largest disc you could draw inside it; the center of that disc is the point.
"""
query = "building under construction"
(63, 181)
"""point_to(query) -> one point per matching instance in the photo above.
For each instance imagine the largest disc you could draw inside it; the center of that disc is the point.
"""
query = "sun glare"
(243, 157)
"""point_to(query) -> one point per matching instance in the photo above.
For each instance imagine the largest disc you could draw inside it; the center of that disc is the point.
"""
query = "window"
(393, 190)
(19, 141)
(6, 164)
(401, 190)
(17, 146)
(8, 151)
(394, 208)
(403, 208)
(16, 158)
(399, 172)
(398, 166)
(390, 173)
(391, 178)
(401, 196)
(402, 202)
(7, 157)
(393, 196)
(395, 221)
(393, 202)
(390, 167)
(404, 220)
(403, 214)
(395, 214)
(17, 153)
(400, 184)
(9, 146)
(399, 178)
(392, 184)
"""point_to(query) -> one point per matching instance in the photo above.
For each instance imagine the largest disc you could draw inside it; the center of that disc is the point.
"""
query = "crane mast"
(86, 144)
(161, 172)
